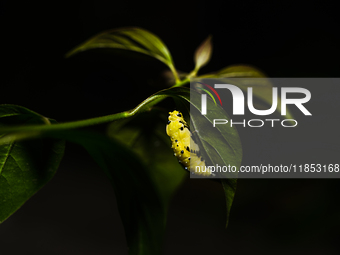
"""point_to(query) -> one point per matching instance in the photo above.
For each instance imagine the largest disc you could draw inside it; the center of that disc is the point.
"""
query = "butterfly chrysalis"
(185, 149)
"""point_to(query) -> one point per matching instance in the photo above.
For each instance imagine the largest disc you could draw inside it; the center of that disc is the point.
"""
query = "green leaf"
(202, 55)
(18, 115)
(145, 135)
(25, 166)
(139, 203)
(142, 200)
(229, 187)
(222, 147)
(240, 71)
(133, 39)
(248, 76)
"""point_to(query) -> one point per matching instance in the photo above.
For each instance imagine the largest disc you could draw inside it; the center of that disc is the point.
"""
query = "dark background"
(76, 212)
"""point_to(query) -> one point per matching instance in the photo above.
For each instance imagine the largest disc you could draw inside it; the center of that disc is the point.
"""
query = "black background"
(76, 212)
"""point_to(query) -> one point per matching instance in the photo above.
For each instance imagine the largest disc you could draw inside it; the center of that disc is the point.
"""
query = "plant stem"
(174, 71)
(143, 106)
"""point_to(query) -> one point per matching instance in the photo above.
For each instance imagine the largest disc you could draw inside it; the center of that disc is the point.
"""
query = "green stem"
(181, 83)
(144, 106)
(174, 71)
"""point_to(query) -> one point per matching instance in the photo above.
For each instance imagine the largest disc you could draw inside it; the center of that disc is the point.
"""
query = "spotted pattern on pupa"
(185, 149)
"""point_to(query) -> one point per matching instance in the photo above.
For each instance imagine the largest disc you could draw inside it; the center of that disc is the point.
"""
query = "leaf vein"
(6, 158)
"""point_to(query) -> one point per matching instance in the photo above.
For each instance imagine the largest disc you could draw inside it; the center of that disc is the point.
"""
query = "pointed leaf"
(25, 166)
(131, 38)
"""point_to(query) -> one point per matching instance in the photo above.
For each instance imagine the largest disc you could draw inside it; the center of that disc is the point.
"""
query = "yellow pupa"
(185, 149)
